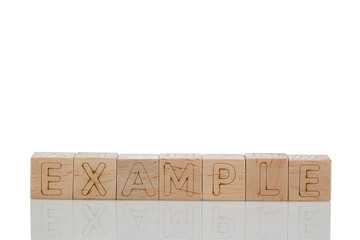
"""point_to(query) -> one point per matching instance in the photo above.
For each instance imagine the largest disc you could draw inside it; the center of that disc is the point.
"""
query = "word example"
(216, 177)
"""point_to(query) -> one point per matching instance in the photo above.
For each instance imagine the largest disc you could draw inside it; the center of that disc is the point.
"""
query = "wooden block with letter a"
(138, 177)
(180, 176)
(224, 177)
(52, 175)
(95, 176)
(309, 178)
(266, 177)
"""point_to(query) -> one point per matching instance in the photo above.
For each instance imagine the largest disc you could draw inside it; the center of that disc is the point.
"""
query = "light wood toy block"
(180, 176)
(266, 177)
(52, 175)
(309, 178)
(95, 176)
(224, 177)
(138, 177)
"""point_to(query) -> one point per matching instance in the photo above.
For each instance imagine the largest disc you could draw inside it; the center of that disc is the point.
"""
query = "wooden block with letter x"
(224, 177)
(180, 176)
(52, 175)
(138, 177)
(309, 178)
(95, 176)
(266, 177)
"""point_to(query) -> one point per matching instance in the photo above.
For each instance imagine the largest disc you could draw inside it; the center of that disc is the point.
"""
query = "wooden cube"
(309, 178)
(95, 176)
(138, 177)
(266, 177)
(180, 176)
(52, 175)
(224, 177)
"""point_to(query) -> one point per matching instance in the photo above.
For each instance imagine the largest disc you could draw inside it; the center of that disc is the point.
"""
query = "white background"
(179, 76)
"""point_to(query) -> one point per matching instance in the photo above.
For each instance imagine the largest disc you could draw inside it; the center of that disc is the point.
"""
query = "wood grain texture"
(180, 176)
(138, 177)
(266, 177)
(95, 176)
(52, 175)
(224, 177)
(309, 178)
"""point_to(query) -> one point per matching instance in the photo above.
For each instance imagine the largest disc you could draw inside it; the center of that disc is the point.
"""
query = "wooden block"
(52, 175)
(138, 177)
(95, 176)
(224, 177)
(180, 176)
(266, 177)
(309, 178)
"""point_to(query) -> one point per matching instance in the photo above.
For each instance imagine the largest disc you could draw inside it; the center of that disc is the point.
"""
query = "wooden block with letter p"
(180, 176)
(52, 175)
(266, 177)
(138, 177)
(224, 177)
(95, 176)
(309, 178)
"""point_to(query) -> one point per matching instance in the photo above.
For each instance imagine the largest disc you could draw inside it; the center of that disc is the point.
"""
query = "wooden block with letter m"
(180, 176)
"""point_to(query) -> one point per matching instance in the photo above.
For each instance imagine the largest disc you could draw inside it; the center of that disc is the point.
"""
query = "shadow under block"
(180, 176)
(224, 177)
(309, 178)
(95, 176)
(266, 177)
(138, 177)
(52, 175)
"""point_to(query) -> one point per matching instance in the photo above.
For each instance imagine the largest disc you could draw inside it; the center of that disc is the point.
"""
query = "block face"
(95, 176)
(180, 176)
(266, 177)
(224, 177)
(309, 178)
(52, 175)
(138, 177)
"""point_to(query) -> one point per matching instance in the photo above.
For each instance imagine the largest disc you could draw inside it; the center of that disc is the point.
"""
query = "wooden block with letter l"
(180, 176)
(266, 177)
(138, 177)
(224, 177)
(309, 178)
(52, 175)
(95, 176)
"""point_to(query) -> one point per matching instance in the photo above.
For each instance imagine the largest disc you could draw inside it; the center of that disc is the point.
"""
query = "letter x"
(94, 179)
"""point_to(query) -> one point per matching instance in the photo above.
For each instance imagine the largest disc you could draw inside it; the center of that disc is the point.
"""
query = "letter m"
(183, 183)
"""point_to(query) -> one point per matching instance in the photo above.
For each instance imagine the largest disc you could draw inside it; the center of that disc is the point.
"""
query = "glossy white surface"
(78, 219)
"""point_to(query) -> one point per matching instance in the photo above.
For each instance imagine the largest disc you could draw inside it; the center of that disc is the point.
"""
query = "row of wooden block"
(251, 177)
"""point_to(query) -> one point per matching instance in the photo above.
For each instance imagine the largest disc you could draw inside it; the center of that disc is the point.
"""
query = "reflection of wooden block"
(309, 178)
(95, 176)
(137, 177)
(180, 176)
(224, 177)
(266, 177)
(52, 175)
(52, 219)
(93, 220)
